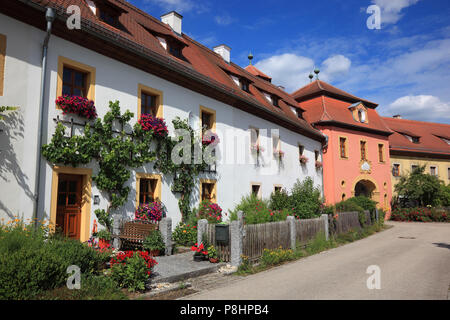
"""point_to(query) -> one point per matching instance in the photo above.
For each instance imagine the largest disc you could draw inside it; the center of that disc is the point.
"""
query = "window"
(448, 173)
(362, 115)
(278, 188)
(433, 170)
(75, 78)
(109, 15)
(301, 149)
(275, 101)
(414, 167)
(148, 104)
(175, 50)
(2, 61)
(208, 190)
(363, 145)
(74, 83)
(343, 147)
(245, 85)
(148, 188)
(381, 152)
(150, 101)
(317, 155)
(208, 119)
(256, 189)
(396, 170)
(415, 139)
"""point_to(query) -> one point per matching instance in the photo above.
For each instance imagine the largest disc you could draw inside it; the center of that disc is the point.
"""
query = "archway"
(365, 188)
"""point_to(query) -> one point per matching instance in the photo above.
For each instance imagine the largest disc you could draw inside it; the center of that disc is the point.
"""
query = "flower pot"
(198, 258)
(155, 253)
(103, 244)
(213, 260)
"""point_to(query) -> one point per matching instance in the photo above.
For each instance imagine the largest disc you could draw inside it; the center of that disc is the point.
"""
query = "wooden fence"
(223, 251)
(306, 230)
(265, 236)
(274, 235)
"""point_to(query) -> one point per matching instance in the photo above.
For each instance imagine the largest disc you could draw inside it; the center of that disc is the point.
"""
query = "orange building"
(356, 157)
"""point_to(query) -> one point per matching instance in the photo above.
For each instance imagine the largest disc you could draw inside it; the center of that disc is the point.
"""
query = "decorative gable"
(359, 112)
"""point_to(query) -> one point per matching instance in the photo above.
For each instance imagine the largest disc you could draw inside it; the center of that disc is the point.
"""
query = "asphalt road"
(414, 262)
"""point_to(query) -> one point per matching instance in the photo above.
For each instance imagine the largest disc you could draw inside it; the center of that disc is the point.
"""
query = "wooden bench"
(134, 233)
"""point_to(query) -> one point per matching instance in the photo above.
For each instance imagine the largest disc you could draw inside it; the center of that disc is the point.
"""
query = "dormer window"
(175, 50)
(359, 112)
(108, 13)
(412, 139)
(245, 85)
(272, 99)
(362, 115)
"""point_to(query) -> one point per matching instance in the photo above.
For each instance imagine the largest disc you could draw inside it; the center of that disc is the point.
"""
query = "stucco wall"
(118, 81)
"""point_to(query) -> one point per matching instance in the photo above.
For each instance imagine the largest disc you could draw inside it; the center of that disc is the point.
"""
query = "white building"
(121, 54)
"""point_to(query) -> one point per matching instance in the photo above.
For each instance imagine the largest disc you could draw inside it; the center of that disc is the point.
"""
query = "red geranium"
(77, 105)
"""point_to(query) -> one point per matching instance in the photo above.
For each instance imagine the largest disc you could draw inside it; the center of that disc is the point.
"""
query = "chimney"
(173, 19)
(397, 116)
(224, 51)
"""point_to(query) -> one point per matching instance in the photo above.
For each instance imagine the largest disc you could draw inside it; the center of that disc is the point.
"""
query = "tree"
(421, 188)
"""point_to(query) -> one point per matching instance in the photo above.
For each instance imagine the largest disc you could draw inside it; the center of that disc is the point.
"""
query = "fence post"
(116, 230)
(292, 231)
(201, 229)
(165, 226)
(237, 240)
(327, 231)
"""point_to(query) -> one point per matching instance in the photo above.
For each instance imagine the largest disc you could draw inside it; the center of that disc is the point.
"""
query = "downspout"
(49, 17)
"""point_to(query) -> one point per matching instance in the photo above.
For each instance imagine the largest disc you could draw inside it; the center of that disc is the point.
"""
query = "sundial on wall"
(365, 166)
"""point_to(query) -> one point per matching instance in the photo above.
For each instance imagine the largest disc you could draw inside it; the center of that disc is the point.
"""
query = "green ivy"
(117, 152)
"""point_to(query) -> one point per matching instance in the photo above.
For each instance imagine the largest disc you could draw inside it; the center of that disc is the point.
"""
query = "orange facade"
(356, 158)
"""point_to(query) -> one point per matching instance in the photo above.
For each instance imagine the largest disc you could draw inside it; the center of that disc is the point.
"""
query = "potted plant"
(200, 253)
(303, 159)
(150, 212)
(104, 239)
(153, 124)
(319, 165)
(154, 243)
(212, 254)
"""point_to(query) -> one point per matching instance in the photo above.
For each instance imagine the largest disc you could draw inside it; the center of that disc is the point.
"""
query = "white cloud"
(289, 70)
(421, 107)
(224, 20)
(336, 66)
(391, 9)
(180, 5)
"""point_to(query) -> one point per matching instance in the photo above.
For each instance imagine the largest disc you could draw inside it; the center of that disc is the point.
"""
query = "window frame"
(259, 184)
(3, 42)
(398, 166)
(436, 170)
(78, 66)
(212, 113)
(208, 181)
(148, 176)
(365, 158)
(381, 153)
(143, 89)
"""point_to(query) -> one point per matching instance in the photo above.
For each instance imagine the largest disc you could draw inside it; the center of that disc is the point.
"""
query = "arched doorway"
(365, 188)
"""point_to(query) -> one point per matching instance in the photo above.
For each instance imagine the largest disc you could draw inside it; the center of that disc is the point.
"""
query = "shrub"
(29, 271)
(306, 199)
(210, 211)
(257, 211)
(275, 257)
(420, 214)
(185, 234)
(364, 202)
(132, 269)
(154, 241)
(279, 200)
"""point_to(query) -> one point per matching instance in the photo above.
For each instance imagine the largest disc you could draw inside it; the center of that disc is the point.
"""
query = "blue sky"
(404, 66)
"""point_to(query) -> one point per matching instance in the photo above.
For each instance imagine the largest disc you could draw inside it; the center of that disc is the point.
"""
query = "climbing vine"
(116, 152)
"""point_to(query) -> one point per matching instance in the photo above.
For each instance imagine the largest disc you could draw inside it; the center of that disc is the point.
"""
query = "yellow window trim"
(260, 188)
(148, 176)
(212, 113)
(154, 92)
(277, 186)
(210, 181)
(85, 198)
(91, 71)
(346, 147)
(2, 61)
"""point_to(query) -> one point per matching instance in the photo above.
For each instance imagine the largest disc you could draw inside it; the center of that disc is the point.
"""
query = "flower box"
(156, 125)
(77, 105)
(209, 138)
(151, 212)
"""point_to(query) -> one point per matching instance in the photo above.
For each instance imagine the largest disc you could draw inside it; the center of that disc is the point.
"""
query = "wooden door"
(68, 215)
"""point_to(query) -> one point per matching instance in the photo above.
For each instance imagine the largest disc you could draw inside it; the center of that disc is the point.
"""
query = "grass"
(273, 258)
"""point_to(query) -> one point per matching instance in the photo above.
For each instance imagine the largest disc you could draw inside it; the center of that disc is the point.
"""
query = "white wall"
(118, 81)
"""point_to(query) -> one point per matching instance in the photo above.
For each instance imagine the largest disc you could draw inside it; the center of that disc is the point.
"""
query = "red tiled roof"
(318, 88)
(258, 73)
(325, 109)
(430, 136)
(142, 29)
